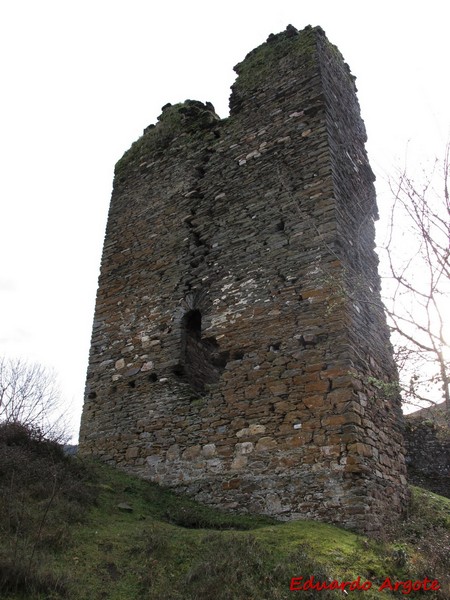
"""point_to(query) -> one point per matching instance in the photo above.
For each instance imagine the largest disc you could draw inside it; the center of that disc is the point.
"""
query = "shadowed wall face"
(427, 437)
(239, 341)
(201, 362)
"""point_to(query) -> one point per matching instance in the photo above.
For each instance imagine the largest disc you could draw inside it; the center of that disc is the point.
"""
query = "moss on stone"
(190, 116)
(258, 64)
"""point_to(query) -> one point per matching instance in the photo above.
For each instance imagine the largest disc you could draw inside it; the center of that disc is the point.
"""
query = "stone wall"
(238, 341)
(427, 437)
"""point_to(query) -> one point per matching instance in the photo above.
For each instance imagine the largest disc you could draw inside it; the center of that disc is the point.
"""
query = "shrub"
(41, 492)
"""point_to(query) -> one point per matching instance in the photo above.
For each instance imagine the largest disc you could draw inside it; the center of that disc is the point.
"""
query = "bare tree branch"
(418, 297)
(29, 395)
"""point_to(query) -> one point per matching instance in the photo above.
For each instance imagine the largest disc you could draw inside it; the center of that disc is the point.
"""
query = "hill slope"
(80, 531)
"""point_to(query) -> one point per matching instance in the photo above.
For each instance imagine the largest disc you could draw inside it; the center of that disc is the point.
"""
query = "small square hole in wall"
(178, 371)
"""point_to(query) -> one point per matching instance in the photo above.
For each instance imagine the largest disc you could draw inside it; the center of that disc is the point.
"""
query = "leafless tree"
(418, 290)
(29, 395)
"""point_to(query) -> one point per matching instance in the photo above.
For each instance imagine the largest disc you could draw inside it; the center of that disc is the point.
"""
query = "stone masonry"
(427, 437)
(239, 350)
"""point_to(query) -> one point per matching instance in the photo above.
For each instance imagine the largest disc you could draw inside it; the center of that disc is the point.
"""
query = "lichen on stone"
(190, 116)
(256, 68)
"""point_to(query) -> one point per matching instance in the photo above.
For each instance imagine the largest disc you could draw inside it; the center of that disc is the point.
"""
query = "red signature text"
(405, 587)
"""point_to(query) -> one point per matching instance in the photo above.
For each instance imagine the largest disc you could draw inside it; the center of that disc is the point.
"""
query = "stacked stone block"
(239, 350)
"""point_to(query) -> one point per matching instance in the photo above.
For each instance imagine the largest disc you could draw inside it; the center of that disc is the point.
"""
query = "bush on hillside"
(42, 491)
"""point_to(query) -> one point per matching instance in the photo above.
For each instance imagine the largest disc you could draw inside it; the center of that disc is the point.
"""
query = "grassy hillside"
(84, 531)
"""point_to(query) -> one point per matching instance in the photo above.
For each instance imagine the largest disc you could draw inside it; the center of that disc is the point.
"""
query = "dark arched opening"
(192, 322)
(201, 360)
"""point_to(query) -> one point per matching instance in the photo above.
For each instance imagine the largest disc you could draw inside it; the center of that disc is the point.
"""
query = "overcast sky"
(80, 81)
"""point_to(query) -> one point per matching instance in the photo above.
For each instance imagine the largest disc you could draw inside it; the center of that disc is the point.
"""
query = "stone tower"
(239, 350)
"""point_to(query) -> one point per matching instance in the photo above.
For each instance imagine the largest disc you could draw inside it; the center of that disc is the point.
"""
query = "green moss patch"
(265, 59)
(135, 540)
(190, 118)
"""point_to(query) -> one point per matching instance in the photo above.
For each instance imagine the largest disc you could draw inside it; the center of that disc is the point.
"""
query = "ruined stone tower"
(239, 348)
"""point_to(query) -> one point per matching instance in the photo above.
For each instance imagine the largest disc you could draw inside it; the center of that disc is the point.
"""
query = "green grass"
(167, 547)
(142, 555)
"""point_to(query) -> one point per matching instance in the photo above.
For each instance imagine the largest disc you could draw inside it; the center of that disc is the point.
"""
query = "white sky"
(81, 79)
